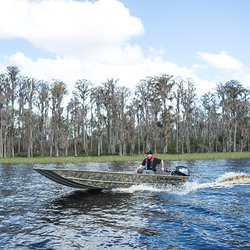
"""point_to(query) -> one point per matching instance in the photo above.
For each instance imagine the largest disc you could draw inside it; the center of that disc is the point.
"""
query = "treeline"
(163, 114)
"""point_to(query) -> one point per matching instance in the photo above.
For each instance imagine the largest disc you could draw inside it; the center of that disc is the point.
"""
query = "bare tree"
(43, 107)
(98, 118)
(188, 101)
(110, 102)
(74, 121)
(177, 96)
(211, 122)
(3, 85)
(131, 126)
(163, 85)
(83, 88)
(58, 91)
(30, 95)
(12, 78)
(122, 97)
(1, 124)
(142, 96)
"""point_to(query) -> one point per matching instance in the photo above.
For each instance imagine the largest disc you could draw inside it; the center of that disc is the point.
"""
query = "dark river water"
(208, 212)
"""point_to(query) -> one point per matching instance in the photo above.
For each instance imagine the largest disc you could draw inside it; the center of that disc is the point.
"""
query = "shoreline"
(117, 158)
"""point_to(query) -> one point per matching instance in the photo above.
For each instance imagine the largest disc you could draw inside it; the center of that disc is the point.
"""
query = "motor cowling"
(181, 170)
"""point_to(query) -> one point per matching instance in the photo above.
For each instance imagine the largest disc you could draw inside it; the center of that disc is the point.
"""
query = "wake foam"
(141, 187)
(234, 178)
(226, 180)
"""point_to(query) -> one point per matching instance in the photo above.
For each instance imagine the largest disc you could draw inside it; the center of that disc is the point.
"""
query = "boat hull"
(108, 180)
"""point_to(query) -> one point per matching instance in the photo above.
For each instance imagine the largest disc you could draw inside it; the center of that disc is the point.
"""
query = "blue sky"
(205, 40)
(184, 27)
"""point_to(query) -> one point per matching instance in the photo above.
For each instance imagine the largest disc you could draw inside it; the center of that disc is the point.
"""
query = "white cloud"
(221, 61)
(226, 68)
(89, 40)
(128, 65)
(68, 27)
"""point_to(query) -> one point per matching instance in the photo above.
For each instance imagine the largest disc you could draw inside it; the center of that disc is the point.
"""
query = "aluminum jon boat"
(87, 179)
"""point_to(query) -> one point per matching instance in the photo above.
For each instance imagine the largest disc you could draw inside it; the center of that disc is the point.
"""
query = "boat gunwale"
(113, 173)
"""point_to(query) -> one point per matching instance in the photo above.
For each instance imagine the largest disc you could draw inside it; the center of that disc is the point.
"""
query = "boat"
(87, 179)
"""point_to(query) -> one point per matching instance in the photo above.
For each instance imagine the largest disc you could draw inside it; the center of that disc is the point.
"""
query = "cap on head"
(149, 152)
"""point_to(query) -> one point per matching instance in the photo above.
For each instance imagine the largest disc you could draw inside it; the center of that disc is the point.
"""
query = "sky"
(203, 40)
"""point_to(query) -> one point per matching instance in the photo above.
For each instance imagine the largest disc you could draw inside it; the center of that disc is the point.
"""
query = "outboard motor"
(180, 170)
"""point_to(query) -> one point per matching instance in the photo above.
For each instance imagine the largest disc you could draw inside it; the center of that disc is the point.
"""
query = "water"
(211, 211)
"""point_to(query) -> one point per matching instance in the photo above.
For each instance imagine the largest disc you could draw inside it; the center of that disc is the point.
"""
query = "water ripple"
(211, 211)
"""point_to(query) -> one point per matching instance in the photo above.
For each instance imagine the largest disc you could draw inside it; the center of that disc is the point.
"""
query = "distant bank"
(167, 157)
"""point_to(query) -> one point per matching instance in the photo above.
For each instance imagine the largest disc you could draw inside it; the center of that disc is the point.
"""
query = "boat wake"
(226, 180)
(234, 178)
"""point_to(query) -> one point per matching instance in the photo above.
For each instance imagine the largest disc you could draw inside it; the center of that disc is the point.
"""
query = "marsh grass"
(167, 157)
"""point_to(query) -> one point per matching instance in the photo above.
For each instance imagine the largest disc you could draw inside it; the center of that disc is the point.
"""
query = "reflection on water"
(211, 211)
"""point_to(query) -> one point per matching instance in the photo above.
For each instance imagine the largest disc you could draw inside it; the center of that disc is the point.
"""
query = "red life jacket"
(149, 163)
